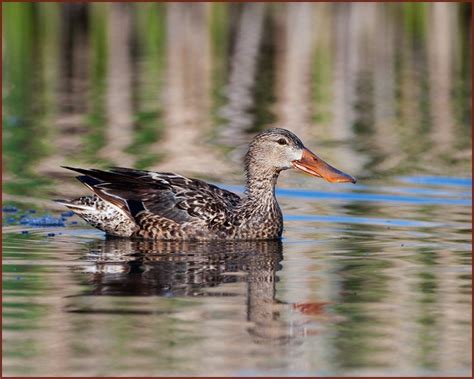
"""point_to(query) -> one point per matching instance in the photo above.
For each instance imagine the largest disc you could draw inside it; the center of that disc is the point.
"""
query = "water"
(359, 285)
(369, 279)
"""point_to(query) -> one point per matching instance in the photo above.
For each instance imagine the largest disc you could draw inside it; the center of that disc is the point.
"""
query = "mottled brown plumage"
(167, 206)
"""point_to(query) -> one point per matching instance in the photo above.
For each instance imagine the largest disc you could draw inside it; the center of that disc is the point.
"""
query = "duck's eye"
(282, 141)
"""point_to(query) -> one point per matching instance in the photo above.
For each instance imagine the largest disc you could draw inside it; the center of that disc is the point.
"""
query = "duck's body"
(137, 203)
(173, 207)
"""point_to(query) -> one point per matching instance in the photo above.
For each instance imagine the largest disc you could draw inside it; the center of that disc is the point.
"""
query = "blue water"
(456, 195)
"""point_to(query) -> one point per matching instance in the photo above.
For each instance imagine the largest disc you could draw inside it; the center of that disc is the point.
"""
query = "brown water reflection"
(371, 279)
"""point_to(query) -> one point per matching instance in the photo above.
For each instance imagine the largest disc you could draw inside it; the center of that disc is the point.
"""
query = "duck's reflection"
(125, 267)
(122, 267)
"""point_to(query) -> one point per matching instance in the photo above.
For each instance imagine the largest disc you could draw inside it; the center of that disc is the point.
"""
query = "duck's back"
(147, 204)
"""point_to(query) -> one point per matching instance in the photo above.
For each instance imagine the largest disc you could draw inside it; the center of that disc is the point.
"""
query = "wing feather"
(168, 195)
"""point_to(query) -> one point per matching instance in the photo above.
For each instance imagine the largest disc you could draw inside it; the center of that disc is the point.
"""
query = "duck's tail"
(75, 205)
(102, 215)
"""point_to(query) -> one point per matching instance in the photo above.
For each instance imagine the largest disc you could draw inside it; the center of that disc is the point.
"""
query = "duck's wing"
(168, 195)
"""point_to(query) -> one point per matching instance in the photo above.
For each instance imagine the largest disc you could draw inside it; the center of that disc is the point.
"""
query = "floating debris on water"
(42, 221)
(10, 209)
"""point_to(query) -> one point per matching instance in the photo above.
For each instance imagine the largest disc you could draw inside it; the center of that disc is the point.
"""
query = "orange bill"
(315, 166)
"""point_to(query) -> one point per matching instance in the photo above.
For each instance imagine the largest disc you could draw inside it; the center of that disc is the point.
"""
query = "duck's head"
(279, 149)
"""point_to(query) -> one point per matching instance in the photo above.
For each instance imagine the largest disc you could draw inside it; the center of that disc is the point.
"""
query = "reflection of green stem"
(411, 79)
(27, 314)
(462, 94)
(321, 74)
(363, 283)
(264, 90)
(415, 19)
(150, 35)
(18, 25)
(219, 30)
(96, 119)
(48, 41)
(428, 338)
(20, 98)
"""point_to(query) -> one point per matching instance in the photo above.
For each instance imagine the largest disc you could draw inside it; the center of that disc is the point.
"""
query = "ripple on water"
(357, 267)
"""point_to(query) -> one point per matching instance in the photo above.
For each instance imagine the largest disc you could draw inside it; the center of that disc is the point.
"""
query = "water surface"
(369, 279)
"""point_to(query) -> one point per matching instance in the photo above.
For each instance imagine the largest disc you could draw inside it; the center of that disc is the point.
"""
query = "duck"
(131, 203)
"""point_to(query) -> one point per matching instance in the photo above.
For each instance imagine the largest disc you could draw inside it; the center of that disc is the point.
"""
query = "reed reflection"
(119, 108)
(173, 87)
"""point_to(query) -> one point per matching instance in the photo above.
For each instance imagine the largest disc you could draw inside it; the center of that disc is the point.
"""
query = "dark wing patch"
(168, 195)
(93, 185)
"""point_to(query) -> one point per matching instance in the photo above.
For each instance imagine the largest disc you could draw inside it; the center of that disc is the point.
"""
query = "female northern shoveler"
(158, 205)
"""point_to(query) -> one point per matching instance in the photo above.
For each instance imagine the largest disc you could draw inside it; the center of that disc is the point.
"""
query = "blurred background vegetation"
(380, 88)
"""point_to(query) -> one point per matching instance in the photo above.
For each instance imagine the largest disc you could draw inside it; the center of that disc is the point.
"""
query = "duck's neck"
(261, 183)
(259, 215)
